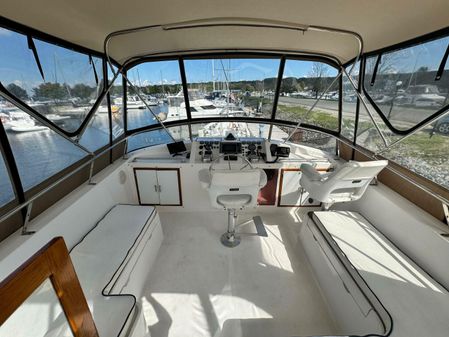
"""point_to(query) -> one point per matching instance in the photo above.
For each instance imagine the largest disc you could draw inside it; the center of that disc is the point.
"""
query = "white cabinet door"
(168, 187)
(147, 186)
(290, 188)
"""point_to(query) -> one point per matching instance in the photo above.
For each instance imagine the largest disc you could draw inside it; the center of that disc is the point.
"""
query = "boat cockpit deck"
(263, 287)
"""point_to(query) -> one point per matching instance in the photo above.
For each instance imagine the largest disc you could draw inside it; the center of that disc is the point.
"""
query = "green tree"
(82, 91)
(17, 91)
(50, 91)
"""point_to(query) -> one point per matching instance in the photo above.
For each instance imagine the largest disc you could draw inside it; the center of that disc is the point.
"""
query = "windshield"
(230, 87)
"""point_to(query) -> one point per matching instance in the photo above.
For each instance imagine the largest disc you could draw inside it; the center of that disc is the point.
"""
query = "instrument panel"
(208, 149)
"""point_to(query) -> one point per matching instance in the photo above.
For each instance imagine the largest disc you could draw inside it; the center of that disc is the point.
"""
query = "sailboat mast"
(213, 76)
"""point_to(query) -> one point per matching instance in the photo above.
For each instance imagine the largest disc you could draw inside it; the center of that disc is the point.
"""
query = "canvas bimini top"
(230, 25)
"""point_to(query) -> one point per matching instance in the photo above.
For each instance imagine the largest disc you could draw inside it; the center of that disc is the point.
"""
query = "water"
(41, 154)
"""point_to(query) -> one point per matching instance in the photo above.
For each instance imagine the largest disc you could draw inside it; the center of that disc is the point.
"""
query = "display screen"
(176, 147)
(230, 148)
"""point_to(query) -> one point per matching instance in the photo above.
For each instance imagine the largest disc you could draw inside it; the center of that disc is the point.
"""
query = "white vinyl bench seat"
(101, 260)
(417, 304)
(112, 262)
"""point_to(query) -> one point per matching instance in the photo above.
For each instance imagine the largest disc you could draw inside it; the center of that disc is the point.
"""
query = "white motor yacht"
(268, 169)
(132, 102)
(198, 108)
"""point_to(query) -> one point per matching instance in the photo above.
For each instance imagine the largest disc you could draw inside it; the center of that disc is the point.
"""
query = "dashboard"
(231, 148)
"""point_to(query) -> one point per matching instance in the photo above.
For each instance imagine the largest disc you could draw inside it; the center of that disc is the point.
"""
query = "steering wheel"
(247, 163)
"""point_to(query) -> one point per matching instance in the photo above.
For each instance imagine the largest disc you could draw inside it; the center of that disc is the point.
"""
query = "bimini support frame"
(223, 22)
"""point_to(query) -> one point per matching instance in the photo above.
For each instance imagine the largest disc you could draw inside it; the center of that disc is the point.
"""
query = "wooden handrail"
(51, 261)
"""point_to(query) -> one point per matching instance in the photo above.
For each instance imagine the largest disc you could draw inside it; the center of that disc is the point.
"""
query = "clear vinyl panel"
(38, 151)
(424, 153)
(231, 87)
(159, 84)
(303, 82)
(96, 134)
(65, 90)
(238, 129)
(309, 138)
(6, 189)
(116, 95)
(157, 137)
(405, 84)
(349, 102)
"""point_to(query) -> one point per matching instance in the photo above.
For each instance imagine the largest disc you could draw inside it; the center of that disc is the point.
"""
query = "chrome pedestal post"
(230, 239)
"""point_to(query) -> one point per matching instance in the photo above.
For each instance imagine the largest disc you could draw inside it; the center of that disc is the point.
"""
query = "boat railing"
(29, 203)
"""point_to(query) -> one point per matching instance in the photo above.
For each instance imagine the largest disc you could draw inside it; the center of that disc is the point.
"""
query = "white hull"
(27, 128)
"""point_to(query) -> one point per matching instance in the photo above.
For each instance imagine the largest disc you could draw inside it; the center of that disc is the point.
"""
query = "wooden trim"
(179, 187)
(159, 169)
(51, 261)
(281, 180)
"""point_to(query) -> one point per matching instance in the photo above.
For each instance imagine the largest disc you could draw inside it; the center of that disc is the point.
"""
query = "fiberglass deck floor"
(264, 287)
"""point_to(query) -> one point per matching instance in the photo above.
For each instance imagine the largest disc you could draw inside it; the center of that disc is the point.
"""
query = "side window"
(302, 83)
(96, 134)
(59, 83)
(38, 151)
(406, 85)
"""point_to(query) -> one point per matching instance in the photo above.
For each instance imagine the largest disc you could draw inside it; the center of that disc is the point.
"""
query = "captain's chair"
(232, 190)
(347, 183)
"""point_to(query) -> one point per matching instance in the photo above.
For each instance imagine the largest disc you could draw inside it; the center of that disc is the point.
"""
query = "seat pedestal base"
(230, 240)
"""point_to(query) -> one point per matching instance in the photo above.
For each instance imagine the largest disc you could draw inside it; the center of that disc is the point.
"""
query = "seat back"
(347, 183)
(236, 183)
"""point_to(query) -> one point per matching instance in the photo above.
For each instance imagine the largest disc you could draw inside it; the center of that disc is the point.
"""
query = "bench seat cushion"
(418, 305)
(100, 261)
(101, 256)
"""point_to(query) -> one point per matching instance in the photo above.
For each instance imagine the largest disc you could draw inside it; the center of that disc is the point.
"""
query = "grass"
(421, 145)
(315, 117)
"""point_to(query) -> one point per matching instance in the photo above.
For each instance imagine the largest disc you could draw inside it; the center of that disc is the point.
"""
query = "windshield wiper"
(91, 61)
(32, 46)
(442, 64)
(376, 66)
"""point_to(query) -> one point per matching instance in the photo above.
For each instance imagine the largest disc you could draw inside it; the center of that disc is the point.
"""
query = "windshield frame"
(240, 55)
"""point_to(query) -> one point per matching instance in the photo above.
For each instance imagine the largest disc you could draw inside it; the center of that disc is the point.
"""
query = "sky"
(17, 65)
(199, 71)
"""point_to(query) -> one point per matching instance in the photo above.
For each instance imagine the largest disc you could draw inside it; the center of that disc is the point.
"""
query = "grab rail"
(29, 202)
